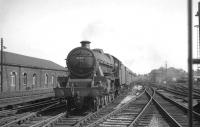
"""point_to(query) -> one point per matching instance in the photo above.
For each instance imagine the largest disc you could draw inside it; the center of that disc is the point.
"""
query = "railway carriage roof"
(27, 61)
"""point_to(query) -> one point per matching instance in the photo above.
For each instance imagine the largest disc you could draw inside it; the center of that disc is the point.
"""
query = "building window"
(46, 80)
(13, 80)
(25, 79)
(52, 80)
(34, 79)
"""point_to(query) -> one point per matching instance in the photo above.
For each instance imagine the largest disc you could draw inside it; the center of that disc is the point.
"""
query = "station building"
(24, 73)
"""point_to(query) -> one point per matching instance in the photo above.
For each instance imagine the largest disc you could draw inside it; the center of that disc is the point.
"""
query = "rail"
(113, 112)
(20, 119)
(29, 116)
(169, 117)
(139, 115)
(79, 122)
(4, 95)
(179, 105)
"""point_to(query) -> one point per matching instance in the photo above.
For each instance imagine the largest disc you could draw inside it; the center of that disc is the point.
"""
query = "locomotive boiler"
(95, 78)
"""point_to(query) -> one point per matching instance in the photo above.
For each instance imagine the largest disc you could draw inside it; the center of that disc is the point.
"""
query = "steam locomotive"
(95, 78)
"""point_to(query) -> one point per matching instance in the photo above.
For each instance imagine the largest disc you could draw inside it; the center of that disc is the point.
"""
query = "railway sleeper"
(115, 123)
(61, 125)
(128, 113)
(68, 121)
(121, 118)
(118, 120)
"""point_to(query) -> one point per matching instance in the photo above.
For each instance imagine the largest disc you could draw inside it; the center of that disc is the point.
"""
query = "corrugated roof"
(22, 60)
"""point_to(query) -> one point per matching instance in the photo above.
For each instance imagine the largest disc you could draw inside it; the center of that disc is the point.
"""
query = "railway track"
(13, 109)
(24, 96)
(151, 118)
(123, 116)
(7, 115)
(147, 109)
(67, 121)
(196, 92)
(16, 119)
(36, 106)
(182, 91)
(82, 120)
(180, 95)
(165, 112)
(176, 111)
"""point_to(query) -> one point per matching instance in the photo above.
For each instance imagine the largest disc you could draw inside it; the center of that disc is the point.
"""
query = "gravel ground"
(157, 121)
(131, 95)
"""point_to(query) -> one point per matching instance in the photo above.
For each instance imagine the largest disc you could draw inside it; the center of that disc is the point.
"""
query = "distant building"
(163, 75)
(21, 73)
(196, 76)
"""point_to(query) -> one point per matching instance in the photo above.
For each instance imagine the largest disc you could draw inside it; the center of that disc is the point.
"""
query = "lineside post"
(1, 64)
(190, 63)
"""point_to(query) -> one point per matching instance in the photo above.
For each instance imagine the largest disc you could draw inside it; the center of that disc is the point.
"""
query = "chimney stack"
(85, 44)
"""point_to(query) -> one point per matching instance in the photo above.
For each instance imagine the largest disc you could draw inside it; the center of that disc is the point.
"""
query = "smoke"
(96, 30)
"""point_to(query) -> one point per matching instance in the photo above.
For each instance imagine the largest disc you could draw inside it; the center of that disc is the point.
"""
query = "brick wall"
(40, 78)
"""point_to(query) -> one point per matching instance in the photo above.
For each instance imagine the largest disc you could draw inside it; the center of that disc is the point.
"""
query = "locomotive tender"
(94, 78)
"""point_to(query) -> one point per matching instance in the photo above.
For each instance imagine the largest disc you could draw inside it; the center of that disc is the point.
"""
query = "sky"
(143, 34)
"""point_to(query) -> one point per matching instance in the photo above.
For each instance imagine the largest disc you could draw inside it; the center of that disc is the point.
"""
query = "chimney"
(85, 44)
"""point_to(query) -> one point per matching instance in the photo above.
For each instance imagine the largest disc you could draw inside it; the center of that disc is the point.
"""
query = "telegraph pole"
(190, 63)
(198, 44)
(1, 64)
(166, 71)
